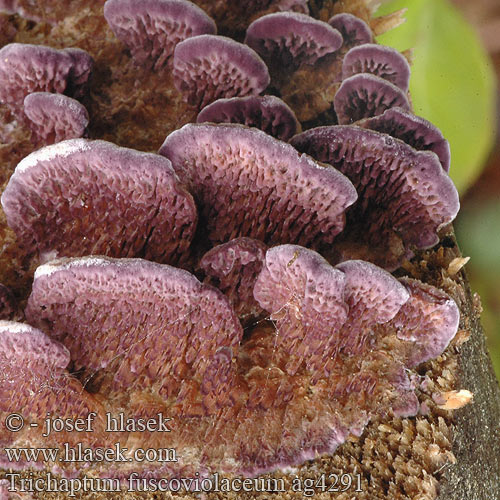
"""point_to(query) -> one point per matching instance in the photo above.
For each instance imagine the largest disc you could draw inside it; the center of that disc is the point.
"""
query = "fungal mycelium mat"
(227, 262)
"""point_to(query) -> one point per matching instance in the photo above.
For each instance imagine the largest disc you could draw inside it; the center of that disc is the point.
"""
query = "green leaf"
(452, 83)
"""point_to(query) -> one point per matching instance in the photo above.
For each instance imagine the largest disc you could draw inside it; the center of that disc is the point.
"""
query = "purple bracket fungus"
(268, 113)
(289, 39)
(34, 381)
(341, 328)
(247, 183)
(54, 117)
(365, 95)
(152, 28)
(414, 130)
(7, 303)
(378, 60)
(208, 67)
(156, 327)
(400, 189)
(427, 322)
(354, 30)
(233, 268)
(79, 197)
(28, 68)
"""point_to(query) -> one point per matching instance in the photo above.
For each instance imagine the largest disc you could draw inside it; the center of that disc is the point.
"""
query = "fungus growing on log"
(364, 95)
(378, 60)
(80, 197)
(268, 113)
(35, 383)
(414, 130)
(400, 189)
(54, 117)
(354, 30)
(209, 67)
(28, 68)
(157, 327)
(247, 183)
(289, 39)
(233, 268)
(152, 28)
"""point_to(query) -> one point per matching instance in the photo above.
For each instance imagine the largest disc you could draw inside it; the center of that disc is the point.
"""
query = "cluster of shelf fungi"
(240, 278)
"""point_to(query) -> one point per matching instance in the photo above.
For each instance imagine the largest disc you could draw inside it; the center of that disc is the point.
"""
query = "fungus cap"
(378, 60)
(268, 113)
(354, 30)
(414, 130)
(152, 28)
(249, 184)
(365, 95)
(209, 67)
(133, 310)
(55, 117)
(79, 197)
(292, 39)
(403, 189)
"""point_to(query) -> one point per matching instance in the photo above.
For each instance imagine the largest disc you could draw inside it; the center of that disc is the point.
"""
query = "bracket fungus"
(233, 268)
(268, 113)
(54, 117)
(79, 197)
(26, 68)
(152, 28)
(34, 381)
(289, 39)
(247, 183)
(209, 67)
(159, 328)
(364, 95)
(414, 130)
(400, 189)
(378, 60)
(354, 30)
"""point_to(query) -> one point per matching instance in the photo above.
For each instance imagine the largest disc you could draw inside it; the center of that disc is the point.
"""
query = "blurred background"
(455, 74)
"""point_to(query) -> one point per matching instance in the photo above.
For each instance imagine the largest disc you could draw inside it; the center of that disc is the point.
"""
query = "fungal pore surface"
(221, 248)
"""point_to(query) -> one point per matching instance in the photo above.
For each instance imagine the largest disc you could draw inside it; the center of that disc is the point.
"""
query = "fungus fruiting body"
(55, 117)
(219, 282)
(57, 201)
(152, 28)
(28, 68)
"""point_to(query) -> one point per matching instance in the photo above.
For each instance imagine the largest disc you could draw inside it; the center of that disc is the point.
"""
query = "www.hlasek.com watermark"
(48, 482)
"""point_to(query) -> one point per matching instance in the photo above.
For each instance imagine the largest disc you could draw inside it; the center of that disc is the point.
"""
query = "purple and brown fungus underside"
(210, 67)
(402, 192)
(354, 30)
(378, 60)
(26, 68)
(233, 268)
(54, 117)
(267, 113)
(289, 39)
(81, 197)
(414, 130)
(158, 327)
(246, 183)
(34, 381)
(334, 350)
(364, 95)
(152, 28)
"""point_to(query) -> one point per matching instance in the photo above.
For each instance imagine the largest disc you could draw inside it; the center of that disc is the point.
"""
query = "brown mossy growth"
(440, 453)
